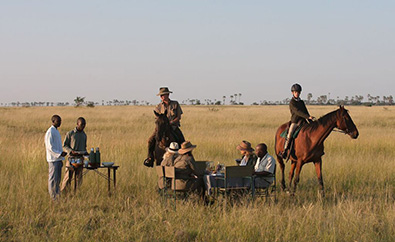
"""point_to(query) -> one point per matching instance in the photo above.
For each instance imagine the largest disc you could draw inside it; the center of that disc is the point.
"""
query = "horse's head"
(162, 125)
(345, 123)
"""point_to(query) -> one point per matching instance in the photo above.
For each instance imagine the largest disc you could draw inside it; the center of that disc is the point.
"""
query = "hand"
(63, 154)
(312, 118)
(73, 152)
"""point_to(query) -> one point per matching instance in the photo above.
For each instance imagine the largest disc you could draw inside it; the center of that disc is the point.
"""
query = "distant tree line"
(326, 100)
(234, 99)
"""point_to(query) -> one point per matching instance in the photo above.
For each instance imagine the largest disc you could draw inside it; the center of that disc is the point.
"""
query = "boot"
(286, 147)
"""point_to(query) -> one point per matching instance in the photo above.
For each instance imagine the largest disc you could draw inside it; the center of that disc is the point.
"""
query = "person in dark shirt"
(299, 114)
(75, 145)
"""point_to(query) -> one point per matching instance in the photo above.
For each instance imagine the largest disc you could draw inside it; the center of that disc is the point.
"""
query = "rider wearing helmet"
(299, 114)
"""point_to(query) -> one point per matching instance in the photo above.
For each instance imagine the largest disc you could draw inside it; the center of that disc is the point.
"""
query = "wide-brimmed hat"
(173, 148)
(245, 145)
(163, 91)
(186, 147)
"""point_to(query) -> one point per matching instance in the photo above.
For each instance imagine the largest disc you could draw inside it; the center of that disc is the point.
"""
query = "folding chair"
(232, 172)
(269, 191)
(170, 172)
(161, 179)
(200, 167)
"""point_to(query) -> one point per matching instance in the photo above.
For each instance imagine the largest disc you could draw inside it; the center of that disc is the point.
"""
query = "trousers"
(291, 130)
(68, 176)
(54, 176)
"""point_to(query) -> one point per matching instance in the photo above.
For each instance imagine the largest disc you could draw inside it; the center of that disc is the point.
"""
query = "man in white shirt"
(264, 167)
(55, 155)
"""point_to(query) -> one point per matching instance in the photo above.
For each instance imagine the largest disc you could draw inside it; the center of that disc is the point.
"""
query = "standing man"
(174, 113)
(75, 145)
(264, 167)
(55, 155)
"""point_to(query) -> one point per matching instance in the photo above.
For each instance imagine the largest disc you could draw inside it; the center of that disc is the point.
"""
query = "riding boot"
(286, 147)
(288, 140)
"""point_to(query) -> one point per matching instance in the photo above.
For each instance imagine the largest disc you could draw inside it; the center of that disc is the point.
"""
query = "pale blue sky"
(57, 50)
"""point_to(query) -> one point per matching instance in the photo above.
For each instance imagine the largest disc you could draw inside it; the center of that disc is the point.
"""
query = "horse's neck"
(167, 137)
(324, 130)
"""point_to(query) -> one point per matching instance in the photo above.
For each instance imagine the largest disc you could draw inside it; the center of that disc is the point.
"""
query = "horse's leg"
(298, 170)
(291, 174)
(151, 146)
(282, 167)
(318, 170)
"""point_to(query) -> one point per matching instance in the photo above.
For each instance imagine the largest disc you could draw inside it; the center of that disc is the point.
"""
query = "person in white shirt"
(264, 167)
(55, 156)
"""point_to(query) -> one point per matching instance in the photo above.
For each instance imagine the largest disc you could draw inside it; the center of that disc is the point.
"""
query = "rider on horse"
(174, 112)
(299, 114)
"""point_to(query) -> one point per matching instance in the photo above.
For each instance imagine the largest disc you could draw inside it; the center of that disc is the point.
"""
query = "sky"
(125, 50)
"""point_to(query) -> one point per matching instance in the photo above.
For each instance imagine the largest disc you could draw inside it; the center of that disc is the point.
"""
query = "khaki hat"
(163, 91)
(186, 147)
(173, 148)
(245, 145)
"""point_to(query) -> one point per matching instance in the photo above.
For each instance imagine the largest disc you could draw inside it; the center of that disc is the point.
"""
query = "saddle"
(285, 132)
(291, 150)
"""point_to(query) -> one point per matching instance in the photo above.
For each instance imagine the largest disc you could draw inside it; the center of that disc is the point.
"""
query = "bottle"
(97, 156)
(92, 157)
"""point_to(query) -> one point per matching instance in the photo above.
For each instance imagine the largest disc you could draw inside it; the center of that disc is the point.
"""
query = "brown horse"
(163, 138)
(309, 144)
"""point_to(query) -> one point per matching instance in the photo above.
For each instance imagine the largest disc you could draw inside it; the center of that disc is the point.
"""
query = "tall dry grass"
(359, 178)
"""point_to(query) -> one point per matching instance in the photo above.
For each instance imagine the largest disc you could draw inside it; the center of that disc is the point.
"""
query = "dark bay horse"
(309, 144)
(162, 139)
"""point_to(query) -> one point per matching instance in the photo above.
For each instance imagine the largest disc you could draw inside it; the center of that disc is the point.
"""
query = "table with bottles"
(92, 162)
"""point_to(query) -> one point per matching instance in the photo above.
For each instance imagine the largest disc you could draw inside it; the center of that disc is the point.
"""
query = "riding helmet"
(296, 88)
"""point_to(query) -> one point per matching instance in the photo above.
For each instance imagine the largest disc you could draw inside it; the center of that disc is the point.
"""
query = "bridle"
(343, 121)
(163, 138)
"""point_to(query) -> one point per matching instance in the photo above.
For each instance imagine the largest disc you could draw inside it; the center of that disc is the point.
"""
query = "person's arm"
(192, 164)
(67, 143)
(178, 117)
(263, 173)
(86, 141)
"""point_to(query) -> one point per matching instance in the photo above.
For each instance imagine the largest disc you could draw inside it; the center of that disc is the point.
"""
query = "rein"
(339, 131)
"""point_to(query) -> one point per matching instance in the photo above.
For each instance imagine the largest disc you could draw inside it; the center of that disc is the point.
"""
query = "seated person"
(249, 158)
(170, 155)
(264, 167)
(168, 160)
(185, 165)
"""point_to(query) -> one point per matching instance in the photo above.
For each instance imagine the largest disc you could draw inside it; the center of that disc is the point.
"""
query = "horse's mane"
(321, 121)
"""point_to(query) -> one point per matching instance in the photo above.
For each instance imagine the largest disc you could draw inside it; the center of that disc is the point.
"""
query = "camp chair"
(231, 172)
(200, 167)
(161, 174)
(170, 172)
(269, 191)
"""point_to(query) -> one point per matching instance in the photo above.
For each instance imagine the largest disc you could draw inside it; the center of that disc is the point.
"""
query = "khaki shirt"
(75, 141)
(173, 111)
(168, 160)
(185, 167)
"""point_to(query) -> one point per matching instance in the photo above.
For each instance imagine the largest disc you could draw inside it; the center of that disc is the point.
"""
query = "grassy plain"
(359, 177)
